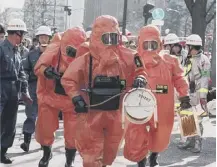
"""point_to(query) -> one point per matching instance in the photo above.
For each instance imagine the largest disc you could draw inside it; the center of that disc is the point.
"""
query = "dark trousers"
(8, 113)
(31, 110)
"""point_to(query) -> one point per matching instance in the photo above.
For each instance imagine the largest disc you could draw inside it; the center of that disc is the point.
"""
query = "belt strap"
(90, 72)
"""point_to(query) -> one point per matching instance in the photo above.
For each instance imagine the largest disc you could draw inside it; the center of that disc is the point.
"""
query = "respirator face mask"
(150, 45)
(71, 51)
(110, 38)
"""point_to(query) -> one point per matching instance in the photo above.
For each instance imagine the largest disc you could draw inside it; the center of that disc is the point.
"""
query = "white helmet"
(88, 33)
(171, 39)
(16, 25)
(43, 30)
(194, 40)
(124, 38)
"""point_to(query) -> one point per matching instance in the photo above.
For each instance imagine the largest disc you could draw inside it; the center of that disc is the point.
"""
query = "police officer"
(43, 34)
(197, 70)
(13, 81)
(23, 50)
(34, 44)
(2, 33)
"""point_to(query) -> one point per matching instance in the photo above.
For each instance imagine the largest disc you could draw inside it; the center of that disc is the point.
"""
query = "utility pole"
(213, 62)
(43, 12)
(54, 14)
(124, 18)
(66, 16)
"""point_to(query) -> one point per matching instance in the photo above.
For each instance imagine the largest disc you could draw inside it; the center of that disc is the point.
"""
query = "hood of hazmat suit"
(83, 49)
(70, 43)
(57, 53)
(96, 148)
(150, 58)
(164, 72)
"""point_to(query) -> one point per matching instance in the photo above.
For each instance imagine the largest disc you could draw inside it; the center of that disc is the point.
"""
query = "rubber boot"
(188, 144)
(47, 155)
(4, 158)
(70, 157)
(27, 140)
(153, 160)
(197, 146)
(142, 163)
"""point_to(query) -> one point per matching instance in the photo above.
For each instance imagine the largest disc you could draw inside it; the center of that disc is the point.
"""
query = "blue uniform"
(13, 81)
(31, 110)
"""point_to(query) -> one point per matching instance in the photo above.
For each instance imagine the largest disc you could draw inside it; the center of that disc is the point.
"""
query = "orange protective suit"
(84, 48)
(161, 70)
(49, 102)
(99, 133)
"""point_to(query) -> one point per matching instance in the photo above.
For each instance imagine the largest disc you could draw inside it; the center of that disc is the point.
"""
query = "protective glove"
(80, 104)
(26, 98)
(185, 102)
(51, 73)
(140, 82)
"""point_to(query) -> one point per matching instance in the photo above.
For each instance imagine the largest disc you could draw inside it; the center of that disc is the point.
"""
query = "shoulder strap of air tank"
(90, 72)
(58, 65)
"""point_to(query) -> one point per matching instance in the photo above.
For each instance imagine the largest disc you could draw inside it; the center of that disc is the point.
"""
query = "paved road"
(172, 157)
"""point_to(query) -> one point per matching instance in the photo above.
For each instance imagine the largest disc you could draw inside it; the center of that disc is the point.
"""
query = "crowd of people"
(77, 72)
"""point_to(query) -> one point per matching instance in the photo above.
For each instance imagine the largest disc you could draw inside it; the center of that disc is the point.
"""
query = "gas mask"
(71, 51)
(110, 38)
(150, 45)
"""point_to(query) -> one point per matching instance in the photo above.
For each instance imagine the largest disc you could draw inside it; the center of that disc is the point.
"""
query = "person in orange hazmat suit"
(52, 97)
(104, 72)
(164, 72)
(84, 48)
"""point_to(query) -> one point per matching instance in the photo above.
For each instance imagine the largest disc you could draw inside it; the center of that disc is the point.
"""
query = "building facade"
(95, 8)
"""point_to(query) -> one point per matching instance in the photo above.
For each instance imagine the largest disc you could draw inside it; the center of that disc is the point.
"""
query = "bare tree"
(37, 13)
(4, 16)
(201, 15)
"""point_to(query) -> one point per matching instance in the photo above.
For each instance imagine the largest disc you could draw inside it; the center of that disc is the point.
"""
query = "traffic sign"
(157, 22)
(158, 14)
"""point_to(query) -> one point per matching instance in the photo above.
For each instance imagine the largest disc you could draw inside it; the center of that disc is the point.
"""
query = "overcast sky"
(76, 17)
(12, 3)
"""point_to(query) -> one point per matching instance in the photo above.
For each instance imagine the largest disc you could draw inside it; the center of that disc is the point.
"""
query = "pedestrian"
(2, 34)
(164, 72)
(52, 97)
(13, 81)
(34, 44)
(88, 33)
(125, 41)
(43, 34)
(172, 44)
(105, 71)
(197, 71)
